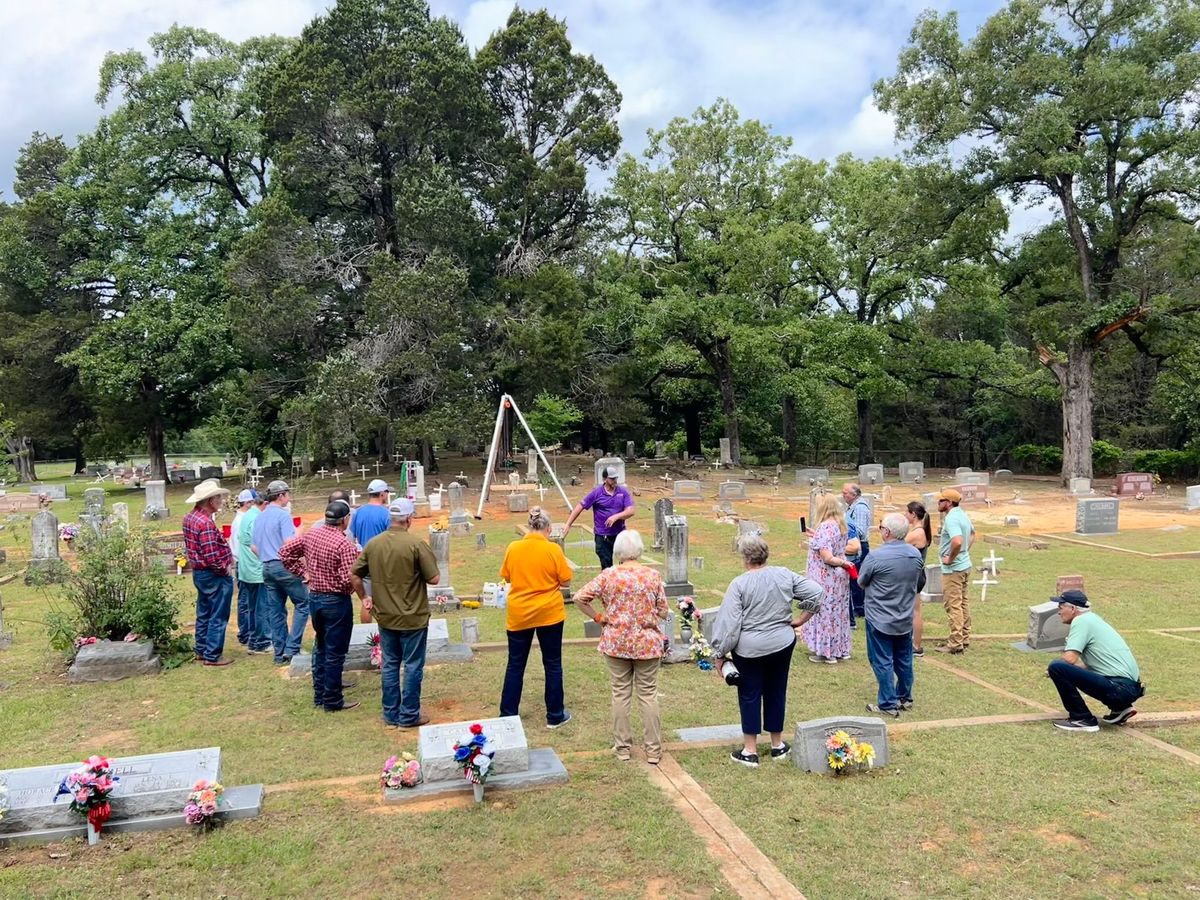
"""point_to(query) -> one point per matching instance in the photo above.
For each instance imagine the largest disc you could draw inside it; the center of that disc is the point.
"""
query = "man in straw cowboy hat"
(210, 558)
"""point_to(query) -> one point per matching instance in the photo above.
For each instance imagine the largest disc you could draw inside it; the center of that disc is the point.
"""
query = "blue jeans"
(214, 592)
(281, 585)
(333, 621)
(253, 615)
(604, 549)
(407, 647)
(891, 658)
(519, 644)
(1114, 692)
(762, 689)
(856, 593)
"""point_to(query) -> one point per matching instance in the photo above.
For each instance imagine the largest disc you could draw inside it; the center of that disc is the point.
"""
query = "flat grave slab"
(435, 747)
(544, 768)
(705, 733)
(113, 661)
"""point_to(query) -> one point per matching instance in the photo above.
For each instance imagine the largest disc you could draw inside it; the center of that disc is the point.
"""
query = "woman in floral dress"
(827, 634)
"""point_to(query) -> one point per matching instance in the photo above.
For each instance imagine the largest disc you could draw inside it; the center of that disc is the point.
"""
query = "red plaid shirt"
(203, 544)
(325, 555)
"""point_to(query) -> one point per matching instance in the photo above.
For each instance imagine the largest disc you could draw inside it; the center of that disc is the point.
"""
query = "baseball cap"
(610, 472)
(950, 494)
(402, 508)
(1074, 597)
(276, 489)
(247, 496)
(336, 511)
(377, 486)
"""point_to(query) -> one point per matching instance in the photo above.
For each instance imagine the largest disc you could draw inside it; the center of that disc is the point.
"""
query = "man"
(372, 517)
(322, 557)
(209, 556)
(958, 535)
(858, 514)
(400, 566)
(245, 501)
(611, 506)
(889, 578)
(1096, 661)
(273, 527)
(250, 580)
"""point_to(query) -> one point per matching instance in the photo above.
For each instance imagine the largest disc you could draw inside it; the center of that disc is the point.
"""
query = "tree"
(553, 418)
(1087, 103)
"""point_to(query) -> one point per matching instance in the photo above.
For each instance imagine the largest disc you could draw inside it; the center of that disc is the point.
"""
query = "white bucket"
(435, 501)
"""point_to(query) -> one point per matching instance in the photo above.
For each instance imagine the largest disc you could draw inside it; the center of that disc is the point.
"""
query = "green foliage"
(1105, 457)
(1167, 463)
(1040, 459)
(552, 418)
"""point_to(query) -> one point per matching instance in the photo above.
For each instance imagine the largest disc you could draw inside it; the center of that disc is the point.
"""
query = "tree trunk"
(428, 458)
(691, 427)
(866, 435)
(20, 448)
(585, 435)
(1075, 379)
(156, 443)
(724, 370)
(80, 459)
(789, 428)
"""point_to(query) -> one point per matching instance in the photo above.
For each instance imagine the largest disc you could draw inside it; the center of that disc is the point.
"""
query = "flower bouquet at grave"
(201, 806)
(81, 642)
(474, 756)
(67, 533)
(401, 771)
(702, 652)
(89, 788)
(376, 651)
(847, 754)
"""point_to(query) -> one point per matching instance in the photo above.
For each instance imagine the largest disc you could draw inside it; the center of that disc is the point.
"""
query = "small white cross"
(461, 475)
(321, 471)
(254, 480)
(396, 457)
(337, 476)
(984, 583)
(542, 492)
(644, 466)
(296, 466)
(990, 561)
(362, 470)
(377, 465)
(354, 498)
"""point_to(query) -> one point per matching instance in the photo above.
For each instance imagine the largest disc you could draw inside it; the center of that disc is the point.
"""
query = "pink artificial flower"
(81, 797)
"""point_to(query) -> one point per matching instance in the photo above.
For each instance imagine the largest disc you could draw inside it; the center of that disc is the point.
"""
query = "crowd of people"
(372, 553)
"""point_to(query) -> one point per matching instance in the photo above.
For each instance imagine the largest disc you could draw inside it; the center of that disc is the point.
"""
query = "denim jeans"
(214, 592)
(333, 621)
(762, 689)
(856, 593)
(1114, 692)
(281, 585)
(604, 549)
(253, 615)
(519, 644)
(891, 659)
(407, 647)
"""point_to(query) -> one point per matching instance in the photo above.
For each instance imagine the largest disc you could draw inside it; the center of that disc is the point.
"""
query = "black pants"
(604, 549)
(1114, 692)
(762, 689)
(856, 593)
(549, 638)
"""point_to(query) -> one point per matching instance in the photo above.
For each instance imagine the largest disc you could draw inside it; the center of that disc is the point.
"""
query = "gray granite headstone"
(120, 514)
(156, 501)
(1046, 628)
(435, 747)
(871, 473)
(677, 584)
(708, 621)
(812, 476)
(518, 501)
(809, 752)
(744, 528)
(933, 584)
(1097, 515)
(45, 560)
(630, 450)
(53, 491)
(961, 470)
(1003, 475)
(688, 490)
(1080, 486)
(438, 635)
(93, 501)
(1193, 497)
(911, 472)
(470, 631)
(93, 523)
(531, 461)
(726, 455)
(663, 507)
(458, 510)
(974, 478)
(113, 661)
(731, 490)
(606, 461)
(660, 449)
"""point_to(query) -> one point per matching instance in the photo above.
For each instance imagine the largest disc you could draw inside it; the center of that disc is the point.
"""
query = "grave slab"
(1046, 629)
(53, 491)
(544, 768)
(114, 661)
(808, 747)
(705, 733)
(812, 476)
(435, 747)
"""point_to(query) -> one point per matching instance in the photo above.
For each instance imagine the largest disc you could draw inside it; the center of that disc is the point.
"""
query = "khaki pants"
(628, 676)
(954, 597)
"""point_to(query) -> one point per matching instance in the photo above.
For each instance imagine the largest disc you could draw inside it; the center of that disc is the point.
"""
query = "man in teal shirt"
(250, 581)
(958, 534)
(1096, 661)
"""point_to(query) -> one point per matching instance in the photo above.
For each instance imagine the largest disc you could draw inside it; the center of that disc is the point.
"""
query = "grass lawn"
(1148, 540)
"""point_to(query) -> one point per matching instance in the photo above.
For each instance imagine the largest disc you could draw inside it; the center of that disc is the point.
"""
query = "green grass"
(1147, 540)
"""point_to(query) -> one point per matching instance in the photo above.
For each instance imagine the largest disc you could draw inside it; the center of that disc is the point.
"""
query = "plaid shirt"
(203, 543)
(325, 554)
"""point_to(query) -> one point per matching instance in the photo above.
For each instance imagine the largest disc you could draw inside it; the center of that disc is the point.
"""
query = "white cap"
(402, 508)
(377, 486)
(247, 496)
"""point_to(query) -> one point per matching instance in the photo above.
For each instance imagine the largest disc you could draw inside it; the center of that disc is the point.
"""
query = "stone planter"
(685, 634)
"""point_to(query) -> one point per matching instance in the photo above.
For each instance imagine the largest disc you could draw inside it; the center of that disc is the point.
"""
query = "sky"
(806, 67)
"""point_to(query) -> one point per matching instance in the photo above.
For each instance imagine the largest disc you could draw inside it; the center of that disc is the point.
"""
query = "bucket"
(226, 530)
(296, 521)
(435, 501)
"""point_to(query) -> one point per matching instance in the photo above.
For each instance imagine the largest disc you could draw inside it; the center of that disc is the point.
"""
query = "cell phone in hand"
(803, 525)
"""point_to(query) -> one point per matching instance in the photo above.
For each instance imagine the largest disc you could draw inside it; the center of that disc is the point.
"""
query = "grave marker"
(1067, 583)
(912, 472)
(435, 747)
(518, 501)
(1193, 497)
(662, 508)
(1046, 628)
(114, 661)
(731, 490)
(687, 490)
(1097, 515)
(93, 501)
(660, 449)
(616, 462)
(812, 476)
(1003, 476)
(975, 478)
(871, 473)
(121, 514)
(933, 584)
(972, 493)
(1130, 484)
(156, 501)
(726, 457)
(962, 470)
(439, 542)
(808, 747)
(745, 528)
(53, 491)
(676, 542)
(531, 465)
(630, 450)
(45, 559)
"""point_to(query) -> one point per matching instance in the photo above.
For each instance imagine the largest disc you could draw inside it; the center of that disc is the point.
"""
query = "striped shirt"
(325, 555)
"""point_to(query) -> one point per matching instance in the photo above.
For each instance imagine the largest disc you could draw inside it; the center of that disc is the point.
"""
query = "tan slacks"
(641, 676)
(954, 598)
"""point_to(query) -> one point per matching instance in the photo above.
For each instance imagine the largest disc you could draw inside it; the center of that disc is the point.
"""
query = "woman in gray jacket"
(756, 628)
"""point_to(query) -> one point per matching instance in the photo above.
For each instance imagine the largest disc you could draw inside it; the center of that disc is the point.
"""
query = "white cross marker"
(396, 457)
(377, 465)
(362, 470)
(254, 480)
(990, 561)
(321, 471)
(354, 498)
(542, 492)
(984, 584)
(296, 466)
(337, 476)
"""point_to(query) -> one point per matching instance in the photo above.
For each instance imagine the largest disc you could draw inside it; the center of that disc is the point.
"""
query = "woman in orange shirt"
(536, 571)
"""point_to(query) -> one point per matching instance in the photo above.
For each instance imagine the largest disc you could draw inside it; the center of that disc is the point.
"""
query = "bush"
(1040, 458)
(1105, 457)
(1167, 463)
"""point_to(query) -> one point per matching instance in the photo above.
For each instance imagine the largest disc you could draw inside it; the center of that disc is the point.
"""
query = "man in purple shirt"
(611, 504)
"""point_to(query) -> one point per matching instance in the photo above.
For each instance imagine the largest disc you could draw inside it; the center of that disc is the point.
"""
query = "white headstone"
(438, 635)
(731, 490)
(121, 513)
(676, 541)
(604, 462)
(531, 461)
(43, 530)
(726, 456)
(660, 449)
(1193, 497)
(871, 473)
(687, 490)
(911, 472)
(435, 747)
(156, 500)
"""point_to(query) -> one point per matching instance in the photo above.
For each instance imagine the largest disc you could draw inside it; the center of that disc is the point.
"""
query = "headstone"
(872, 473)
(731, 490)
(1046, 628)
(93, 501)
(458, 510)
(416, 482)
(439, 541)
(53, 491)
(1003, 475)
(975, 478)
(44, 558)
(814, 497)
(726, 456)
(687, 490)
(438, 636)
(435, 747)
(911, 472)
(1079, 486)
(630, 450)
(92, 522)
(1097, 515)
(121, 514)
(1067, 583)
(812, 476)
(1130, 484)
(606, 461)
(518, 501)
(592, 629)
(662, 508)
(206, 472)
(164, 549)
(808, 747)
(676, 542)
(708, 621)
(972, 493)
(962, 470)
(933, 592)
(514, 480)
(156, 501)
(744, 528)
(1193, 497)
(531, 461)
(470, 631)
(113, 661)
(660, 449)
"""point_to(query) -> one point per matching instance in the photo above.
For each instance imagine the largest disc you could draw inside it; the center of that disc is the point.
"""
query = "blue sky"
(804, 66)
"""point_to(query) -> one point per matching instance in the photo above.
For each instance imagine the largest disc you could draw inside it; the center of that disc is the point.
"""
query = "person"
(274, 526)
(958, 534)
(612, 506)
(827, 634)
(634, 601)
(322, 557)
(250, 581)
(1096, 661)
(920, 536)
(400, 566)
(889, 578)
(756, 628)
(537, 571)
(858, 514)
(210, 558)
(372, 517)
(245, 501)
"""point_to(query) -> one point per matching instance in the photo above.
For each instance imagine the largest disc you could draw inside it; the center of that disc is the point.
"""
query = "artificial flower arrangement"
(81, 642)
(68, 532)
(376, 651)
(845, 753)
(687, 609)
(702, 651)
(474, 756)
(401, 771)
(89, 788)
(201, 806)
(471, 604)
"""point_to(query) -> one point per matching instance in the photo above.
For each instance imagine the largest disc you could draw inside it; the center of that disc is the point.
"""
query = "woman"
(755, 626)
(920, 536)
(537, 571)
(828, 632)
(635, 605)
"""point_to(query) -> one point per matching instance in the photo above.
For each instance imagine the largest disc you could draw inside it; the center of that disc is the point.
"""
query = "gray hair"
(754, 549)
(897, 524)
(854, 489)
(628, 545)
(539, 521)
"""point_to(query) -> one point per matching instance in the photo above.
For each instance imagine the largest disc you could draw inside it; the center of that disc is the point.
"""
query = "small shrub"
(1105, 457)
(1040, 458)
(1167, 463)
